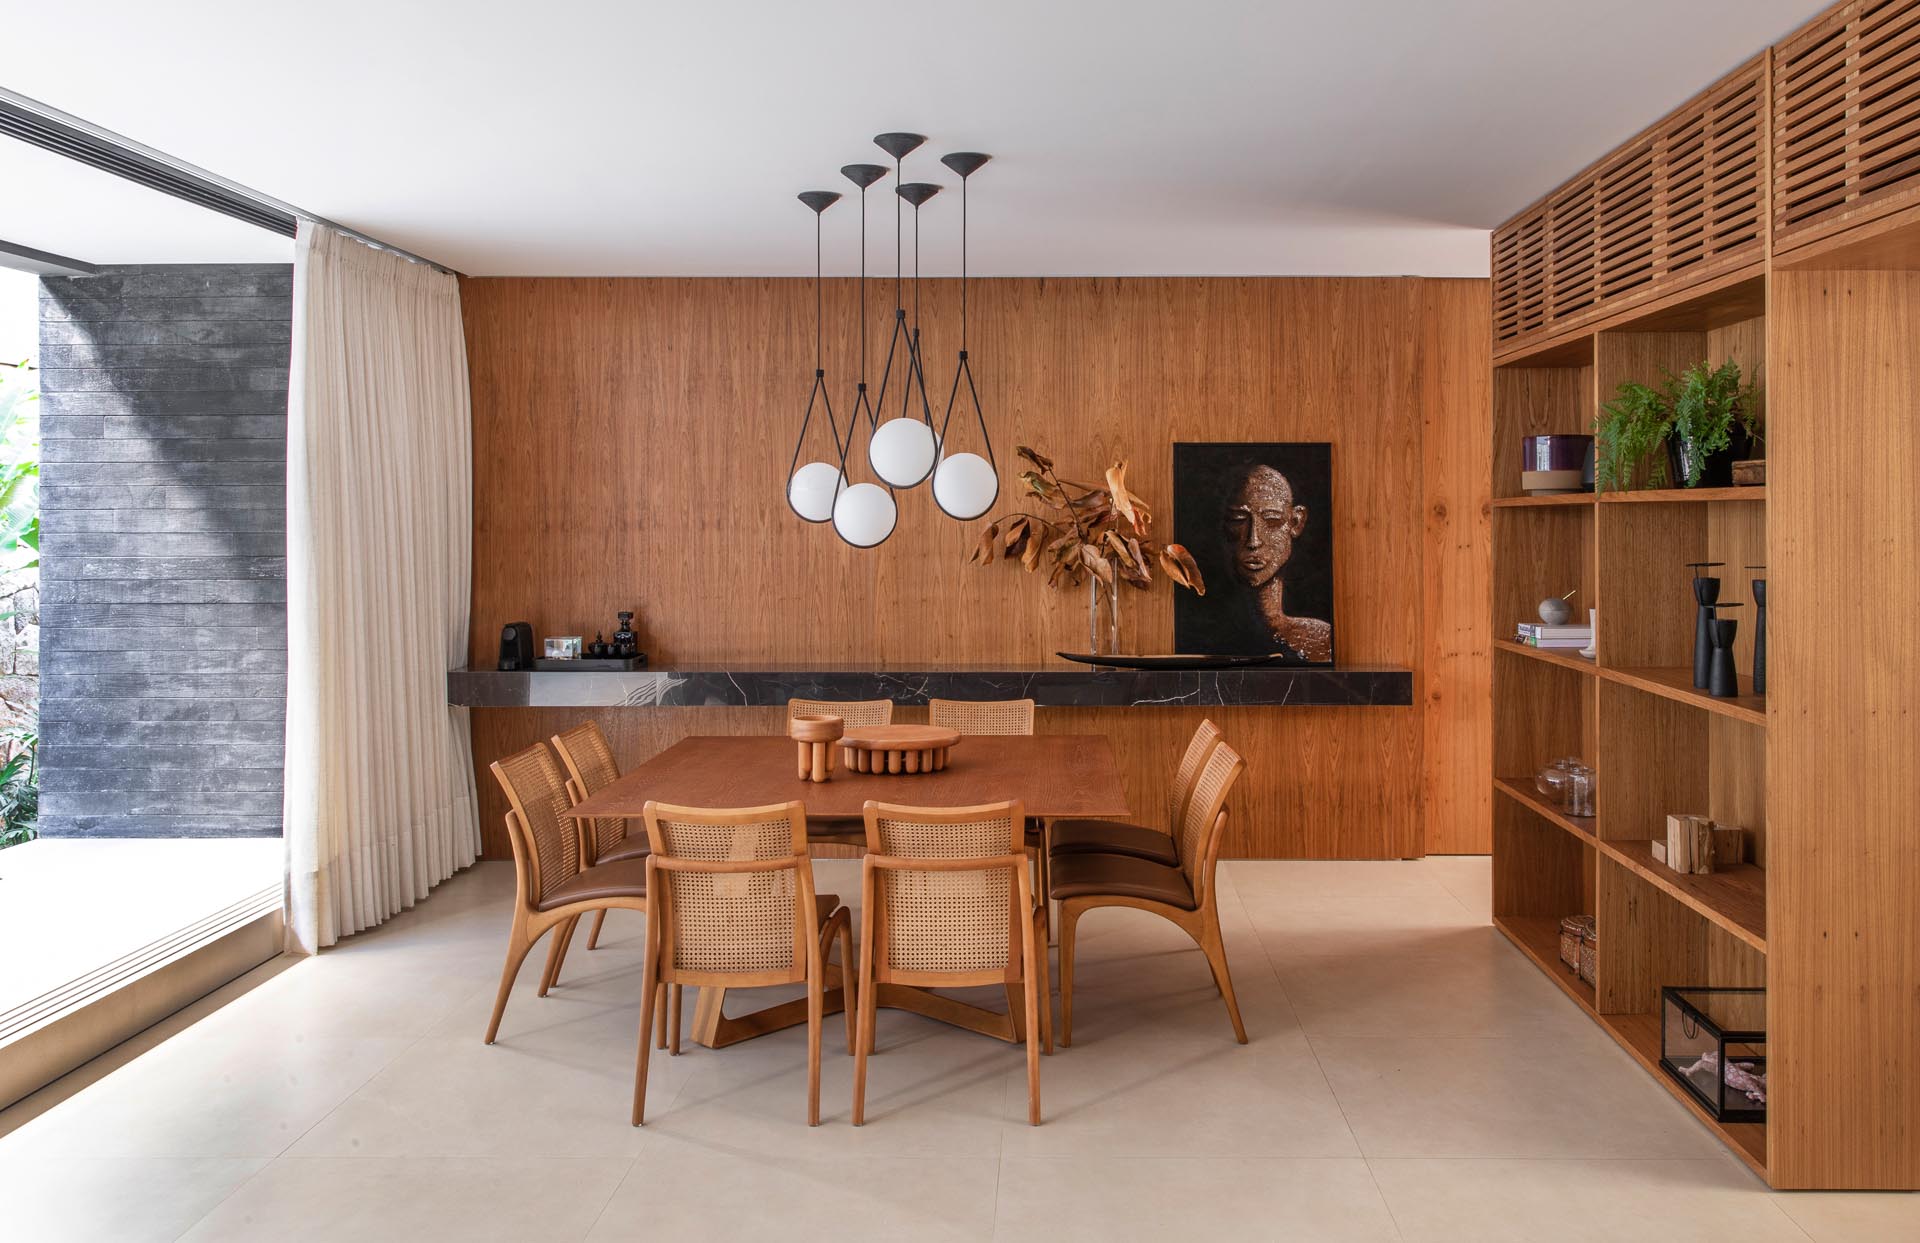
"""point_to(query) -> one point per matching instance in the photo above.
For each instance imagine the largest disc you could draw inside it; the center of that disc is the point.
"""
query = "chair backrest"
(982, 716)
(858, 713)
(1206, 816)
(735, 897)
(954, 913)
(590, 769)
(546, 846)
(1199, 747)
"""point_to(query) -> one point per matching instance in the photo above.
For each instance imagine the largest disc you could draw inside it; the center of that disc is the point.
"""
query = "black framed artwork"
(1258, 519)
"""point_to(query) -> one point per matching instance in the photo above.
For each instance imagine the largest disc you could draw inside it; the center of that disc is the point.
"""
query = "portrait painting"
(1258, 519)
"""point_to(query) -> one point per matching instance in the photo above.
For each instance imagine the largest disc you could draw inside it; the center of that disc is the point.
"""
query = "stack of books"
(1534, 634)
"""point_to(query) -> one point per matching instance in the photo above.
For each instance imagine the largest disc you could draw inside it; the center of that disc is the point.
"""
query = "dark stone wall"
(163, 550)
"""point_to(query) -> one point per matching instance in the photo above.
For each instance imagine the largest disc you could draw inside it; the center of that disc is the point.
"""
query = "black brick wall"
(163, 550)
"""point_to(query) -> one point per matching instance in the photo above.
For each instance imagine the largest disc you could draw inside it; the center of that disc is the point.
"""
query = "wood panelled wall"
(632, 437)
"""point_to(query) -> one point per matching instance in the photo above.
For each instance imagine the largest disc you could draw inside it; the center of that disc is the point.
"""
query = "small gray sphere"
(1554, 611)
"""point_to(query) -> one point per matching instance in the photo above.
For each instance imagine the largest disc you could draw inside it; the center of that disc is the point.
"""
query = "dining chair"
(857, 713)
(982, 716)
(1185, 894)
(552, 889)
(1116, 837)
(604, 839)
(946, 902)
(735, 907)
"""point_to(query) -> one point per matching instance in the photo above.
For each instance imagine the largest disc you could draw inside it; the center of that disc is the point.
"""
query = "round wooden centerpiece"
(815, 736)
(897, 748)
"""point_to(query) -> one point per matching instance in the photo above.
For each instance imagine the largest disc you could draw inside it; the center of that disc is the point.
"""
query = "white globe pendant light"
(864, 514)
(902, 452)
(813, 490)
(965, 486)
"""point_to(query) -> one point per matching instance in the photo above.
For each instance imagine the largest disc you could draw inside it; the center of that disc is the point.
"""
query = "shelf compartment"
(1538, 937)
(1676, 683)
(1564, 657)
(1734, 899)
(1685, 496)
(1520, 790)
(1552, 500)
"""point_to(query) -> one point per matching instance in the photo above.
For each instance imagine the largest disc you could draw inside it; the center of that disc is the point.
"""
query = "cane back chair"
(947, 902)
(1116, 837)
(734, 907)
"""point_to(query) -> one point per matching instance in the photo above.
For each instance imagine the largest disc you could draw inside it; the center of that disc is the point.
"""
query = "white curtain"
(379, 774)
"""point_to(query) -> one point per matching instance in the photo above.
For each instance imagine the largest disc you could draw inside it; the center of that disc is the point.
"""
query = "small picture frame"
(564, 647)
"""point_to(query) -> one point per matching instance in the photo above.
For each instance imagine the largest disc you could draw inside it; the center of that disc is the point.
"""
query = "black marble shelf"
(1275, 686)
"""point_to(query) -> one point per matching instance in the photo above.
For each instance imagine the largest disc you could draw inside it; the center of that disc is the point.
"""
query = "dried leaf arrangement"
(1102, 532)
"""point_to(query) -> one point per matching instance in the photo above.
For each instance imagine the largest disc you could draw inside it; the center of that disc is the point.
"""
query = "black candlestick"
(1706, 593)
(1722, 681)
(1759, 633)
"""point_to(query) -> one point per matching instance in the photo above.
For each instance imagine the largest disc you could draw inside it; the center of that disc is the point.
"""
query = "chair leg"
(557, 954)
(650, 991)
(869, 998)
(1069, 921)
(849, 984)
(816, 1007)
(1046, 987)
(593, 937)
(1215, 949)
(519, 945)
(1032, 981)
(660, 1021)
(673, 1021)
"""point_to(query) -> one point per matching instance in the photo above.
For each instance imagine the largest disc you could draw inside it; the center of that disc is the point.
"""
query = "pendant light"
(863, 514)
(965, 485)
(903, 449)
(812, 489)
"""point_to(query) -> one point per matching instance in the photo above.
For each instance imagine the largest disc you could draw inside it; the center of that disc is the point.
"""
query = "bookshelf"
(1617, 276)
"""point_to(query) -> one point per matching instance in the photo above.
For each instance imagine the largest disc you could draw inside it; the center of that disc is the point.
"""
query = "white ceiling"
(601, 137)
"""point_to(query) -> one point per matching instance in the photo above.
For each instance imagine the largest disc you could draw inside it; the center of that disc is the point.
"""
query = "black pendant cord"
(819, 394)
(965, 366)
(860, 393)
(899, 311)
(915, 363)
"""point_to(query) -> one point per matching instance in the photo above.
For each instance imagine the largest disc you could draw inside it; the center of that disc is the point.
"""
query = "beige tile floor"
(1410, 1077)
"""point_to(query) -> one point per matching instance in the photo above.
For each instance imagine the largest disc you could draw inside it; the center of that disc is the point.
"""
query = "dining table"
(1054, 776)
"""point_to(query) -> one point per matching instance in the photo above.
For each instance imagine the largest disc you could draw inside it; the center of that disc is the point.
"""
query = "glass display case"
(1713, 1041)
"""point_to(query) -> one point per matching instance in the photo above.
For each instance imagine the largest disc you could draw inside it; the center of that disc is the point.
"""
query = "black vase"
(1716, 471)
(1759, 633)
(1722, 682)
(1706, 593)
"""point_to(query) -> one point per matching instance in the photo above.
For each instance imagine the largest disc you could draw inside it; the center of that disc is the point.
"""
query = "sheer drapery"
(379, 776)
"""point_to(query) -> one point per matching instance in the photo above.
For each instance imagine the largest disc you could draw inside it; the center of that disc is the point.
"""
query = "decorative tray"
(1170, 661)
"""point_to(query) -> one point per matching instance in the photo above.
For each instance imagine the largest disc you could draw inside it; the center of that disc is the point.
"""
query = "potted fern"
(1630, 439)
(1713, 418)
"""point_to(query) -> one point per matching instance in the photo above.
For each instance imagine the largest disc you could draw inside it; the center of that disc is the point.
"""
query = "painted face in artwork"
(1262, 523)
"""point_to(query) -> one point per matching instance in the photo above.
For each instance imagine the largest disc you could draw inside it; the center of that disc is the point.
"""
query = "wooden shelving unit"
(1806, 270)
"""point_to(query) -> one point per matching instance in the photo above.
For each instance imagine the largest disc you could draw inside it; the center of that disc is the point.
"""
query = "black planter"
(1717, 470)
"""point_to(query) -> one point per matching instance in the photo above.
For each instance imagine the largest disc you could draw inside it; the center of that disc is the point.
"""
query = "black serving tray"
(1170, 662)
(591, 664)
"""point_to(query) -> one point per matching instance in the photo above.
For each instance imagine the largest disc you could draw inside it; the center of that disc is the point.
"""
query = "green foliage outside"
(19, 572)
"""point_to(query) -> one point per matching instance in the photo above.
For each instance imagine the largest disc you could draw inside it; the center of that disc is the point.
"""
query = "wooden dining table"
(1055, 777)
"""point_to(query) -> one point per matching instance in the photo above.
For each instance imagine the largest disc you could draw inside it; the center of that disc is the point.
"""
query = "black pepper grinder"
(1722, 681)
(1759, 633)
(1706, 594)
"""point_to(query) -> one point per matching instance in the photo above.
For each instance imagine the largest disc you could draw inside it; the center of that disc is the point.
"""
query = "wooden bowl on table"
(815, 736)
(897, 748)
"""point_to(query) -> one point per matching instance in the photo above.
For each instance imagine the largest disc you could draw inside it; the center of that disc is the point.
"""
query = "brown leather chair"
(604, 839)
(551, 888)
(1184, 895)
(1116, 837)
(735, 908)
(947, 903)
